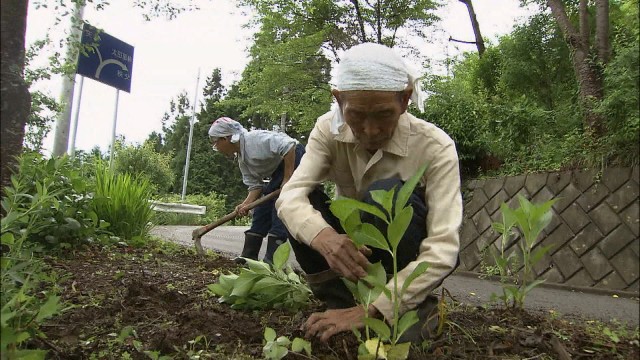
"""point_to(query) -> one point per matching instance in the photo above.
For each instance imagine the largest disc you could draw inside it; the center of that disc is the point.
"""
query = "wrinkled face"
(372, 115)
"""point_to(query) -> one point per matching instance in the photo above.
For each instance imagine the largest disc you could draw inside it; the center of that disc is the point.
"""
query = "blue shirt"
(261, 152)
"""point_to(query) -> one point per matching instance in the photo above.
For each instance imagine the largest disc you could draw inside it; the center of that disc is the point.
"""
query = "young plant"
(277, 348)
(123, 201)
(530, 220)
(397, 215)
(263, 287)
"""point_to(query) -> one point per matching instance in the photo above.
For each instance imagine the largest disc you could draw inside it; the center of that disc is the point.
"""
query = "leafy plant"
(23, 306)
(277, 348)
(530, 220)
(123, 201)
(397, 215)
(63, 216)
(263, 287)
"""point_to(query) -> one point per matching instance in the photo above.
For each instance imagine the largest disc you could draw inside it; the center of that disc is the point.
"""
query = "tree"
(14, 93)
(588, 60)
(476, 27)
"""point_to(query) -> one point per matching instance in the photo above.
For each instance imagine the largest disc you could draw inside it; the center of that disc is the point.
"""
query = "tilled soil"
(143, 303)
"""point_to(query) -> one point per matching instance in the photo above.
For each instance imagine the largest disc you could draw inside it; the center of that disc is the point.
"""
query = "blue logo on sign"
(110, 61)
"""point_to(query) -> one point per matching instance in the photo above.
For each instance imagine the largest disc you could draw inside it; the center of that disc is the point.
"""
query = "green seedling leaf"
(283, 341)
(419, 270)
(258, 267)
(281, 255)
(375, 349)
(409, 318)
(407, 189)
(398, 351)
(385, 199)
(269, 334)
(243, 284)
(349, 216)
(351, 205)
(399, 226)
(369, 235)
(218, 290)
(298, 345)
(379, 326)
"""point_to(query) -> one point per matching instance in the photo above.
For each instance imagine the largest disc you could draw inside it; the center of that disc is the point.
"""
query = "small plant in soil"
(260, 286)
(397, 215)
(530, 220)
(277, 347)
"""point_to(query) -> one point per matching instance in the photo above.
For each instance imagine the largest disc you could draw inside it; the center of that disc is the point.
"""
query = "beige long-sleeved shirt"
(352, 168)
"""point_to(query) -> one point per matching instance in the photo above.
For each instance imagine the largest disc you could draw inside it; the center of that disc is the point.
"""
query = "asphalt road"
(464, 288)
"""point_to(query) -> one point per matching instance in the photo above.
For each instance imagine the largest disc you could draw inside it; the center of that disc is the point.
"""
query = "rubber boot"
(251, 248)
(329, 288)
(426, 327)
(272, 245)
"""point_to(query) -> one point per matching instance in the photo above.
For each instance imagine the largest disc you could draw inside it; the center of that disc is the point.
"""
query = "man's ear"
(405, 97)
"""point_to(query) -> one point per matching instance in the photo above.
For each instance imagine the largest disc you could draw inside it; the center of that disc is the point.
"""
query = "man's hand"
(242, 210)
(341, 254)
(328, 323)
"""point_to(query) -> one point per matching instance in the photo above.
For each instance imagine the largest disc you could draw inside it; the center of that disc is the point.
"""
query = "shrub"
(123, 201)
(214, 202)
(68, 218)
(144, 161)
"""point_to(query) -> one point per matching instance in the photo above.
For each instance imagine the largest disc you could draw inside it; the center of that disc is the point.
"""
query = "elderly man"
(370, 142)
(261, 154)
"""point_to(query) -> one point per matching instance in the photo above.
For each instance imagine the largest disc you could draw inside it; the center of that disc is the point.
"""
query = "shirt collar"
(398, 145)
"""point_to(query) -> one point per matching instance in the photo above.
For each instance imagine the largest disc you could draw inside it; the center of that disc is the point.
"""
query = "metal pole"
(72, 151)
(61, 137)
(113, 132)
(193, 116)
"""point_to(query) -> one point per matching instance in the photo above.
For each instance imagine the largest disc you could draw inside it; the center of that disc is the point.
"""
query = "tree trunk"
(363, 34)
(602, 30)
(476, 26)
(587, 71)
(14, 92)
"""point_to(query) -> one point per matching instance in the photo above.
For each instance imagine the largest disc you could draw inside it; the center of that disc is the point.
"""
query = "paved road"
(464, 288)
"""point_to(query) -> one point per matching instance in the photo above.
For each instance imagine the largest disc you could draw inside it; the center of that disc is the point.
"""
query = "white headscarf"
(225, 126)
(372, 66)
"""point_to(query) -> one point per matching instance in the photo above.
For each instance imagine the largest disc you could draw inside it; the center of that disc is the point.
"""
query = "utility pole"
(61, 139)
(193, 117)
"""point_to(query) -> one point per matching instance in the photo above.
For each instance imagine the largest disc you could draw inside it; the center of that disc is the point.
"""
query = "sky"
(168, 54)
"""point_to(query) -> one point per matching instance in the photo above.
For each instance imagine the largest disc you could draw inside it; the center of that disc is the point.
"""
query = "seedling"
(263, 287)
(277, 348)
(393, 210)
(530, 220)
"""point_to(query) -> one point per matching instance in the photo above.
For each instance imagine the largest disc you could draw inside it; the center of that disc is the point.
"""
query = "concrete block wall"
(594, 231)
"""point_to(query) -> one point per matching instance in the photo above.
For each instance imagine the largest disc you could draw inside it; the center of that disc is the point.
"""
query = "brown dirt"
(163, 297)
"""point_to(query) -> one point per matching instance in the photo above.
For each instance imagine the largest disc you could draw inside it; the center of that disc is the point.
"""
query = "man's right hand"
(341, 254)
(242, 210)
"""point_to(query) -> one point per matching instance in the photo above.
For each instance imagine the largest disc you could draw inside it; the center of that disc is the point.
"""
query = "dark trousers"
(265, 219)
(312, 261)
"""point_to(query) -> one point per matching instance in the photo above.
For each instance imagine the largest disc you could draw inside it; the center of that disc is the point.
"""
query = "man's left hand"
(326, 324)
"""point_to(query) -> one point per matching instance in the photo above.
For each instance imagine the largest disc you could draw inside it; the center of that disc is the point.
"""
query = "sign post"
(108, 60)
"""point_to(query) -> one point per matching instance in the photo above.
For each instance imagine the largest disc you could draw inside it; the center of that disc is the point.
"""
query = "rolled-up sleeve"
(293, 206)
(441, 246)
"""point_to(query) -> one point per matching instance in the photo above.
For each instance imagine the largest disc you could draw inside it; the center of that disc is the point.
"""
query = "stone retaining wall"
(594, 230)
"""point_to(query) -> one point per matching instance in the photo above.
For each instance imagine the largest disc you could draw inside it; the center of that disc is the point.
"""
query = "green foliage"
(123, 201)
(530, 220)
(398, 216)
(144, 161)
(261, 286)
(67, 218)
(277, 348)
(214, 202)
(23, 305)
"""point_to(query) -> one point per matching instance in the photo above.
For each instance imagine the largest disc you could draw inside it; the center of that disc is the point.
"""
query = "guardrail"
(178, 208)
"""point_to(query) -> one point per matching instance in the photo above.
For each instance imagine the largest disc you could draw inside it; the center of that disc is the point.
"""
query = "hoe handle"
(197, 234)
